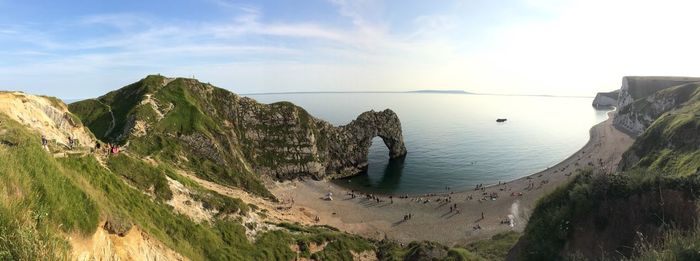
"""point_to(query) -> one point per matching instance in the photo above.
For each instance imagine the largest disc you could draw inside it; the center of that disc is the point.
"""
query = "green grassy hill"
(175, 129)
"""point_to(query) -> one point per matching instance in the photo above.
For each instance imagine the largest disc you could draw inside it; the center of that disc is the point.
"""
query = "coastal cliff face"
(671, 142)
(637, 87)
(596, 215)
(46, 114)
(606, 99)
(641, 101)
(225, 137)
(664, 120)
(284, 141)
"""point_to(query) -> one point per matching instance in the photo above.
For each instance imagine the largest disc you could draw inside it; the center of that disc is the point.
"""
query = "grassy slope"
(42, 199)
(35, 201)
(495, 248)
(551, 223)
(670, 144)
(163, 140)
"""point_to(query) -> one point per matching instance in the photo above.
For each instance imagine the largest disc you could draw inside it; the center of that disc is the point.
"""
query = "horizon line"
(456, 92)
(419, 92)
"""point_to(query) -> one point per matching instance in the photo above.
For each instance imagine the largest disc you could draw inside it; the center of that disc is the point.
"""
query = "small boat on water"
(501, 120)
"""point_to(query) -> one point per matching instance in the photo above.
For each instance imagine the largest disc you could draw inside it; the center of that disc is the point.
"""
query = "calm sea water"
(454, 140)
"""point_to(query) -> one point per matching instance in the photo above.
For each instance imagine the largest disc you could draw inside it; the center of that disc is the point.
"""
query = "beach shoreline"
(433, 217)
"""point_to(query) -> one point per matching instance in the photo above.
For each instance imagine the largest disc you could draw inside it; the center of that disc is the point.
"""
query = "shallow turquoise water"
(453, 140)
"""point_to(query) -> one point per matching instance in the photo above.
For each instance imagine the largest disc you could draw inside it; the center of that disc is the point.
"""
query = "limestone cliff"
(606, 99)
(670, 142)
(640, 101)
(637, 87)
(659, 112)
(226, 137)
(45, 115)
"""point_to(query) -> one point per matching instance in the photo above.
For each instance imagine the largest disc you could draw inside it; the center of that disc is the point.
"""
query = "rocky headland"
(640, 101)
(215, 126)
(606, 99)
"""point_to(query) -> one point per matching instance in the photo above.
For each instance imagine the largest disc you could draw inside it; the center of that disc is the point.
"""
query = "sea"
(453, 139)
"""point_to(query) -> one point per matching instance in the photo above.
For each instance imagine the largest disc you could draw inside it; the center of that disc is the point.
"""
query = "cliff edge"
(606, 99)
(47, 115)
(641, 100)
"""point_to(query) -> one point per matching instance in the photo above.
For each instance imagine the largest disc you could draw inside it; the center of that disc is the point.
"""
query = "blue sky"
(79, 49)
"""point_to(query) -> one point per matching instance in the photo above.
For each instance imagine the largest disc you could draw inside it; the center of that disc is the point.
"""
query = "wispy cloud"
(296, 51)
(122, 21)
(345, 44)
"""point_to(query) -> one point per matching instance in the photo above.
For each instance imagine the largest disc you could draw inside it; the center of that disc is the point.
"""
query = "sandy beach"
(431, 216)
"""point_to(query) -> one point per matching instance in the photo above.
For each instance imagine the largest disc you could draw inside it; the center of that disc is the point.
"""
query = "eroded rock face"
(606, 99)
(283, 141)
(358, 135)
(50, 118)
(643, 99)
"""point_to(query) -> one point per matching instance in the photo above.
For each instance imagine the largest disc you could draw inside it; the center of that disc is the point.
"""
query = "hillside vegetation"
(648, 210)
(670, 144)
(44, 200)
(173, 130)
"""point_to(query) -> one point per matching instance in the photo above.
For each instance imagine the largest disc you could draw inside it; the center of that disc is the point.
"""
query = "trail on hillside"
(114, 121)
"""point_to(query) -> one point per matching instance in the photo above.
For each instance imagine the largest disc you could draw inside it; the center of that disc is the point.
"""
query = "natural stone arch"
(350, 150)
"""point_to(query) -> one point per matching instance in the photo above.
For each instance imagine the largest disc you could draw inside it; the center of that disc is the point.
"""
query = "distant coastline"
(461, 92)
(456, 92)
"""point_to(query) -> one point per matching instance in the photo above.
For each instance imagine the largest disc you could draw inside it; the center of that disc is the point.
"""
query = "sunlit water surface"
(453, 140)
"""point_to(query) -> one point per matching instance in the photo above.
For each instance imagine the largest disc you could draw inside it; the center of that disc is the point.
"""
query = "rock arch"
(350, 148)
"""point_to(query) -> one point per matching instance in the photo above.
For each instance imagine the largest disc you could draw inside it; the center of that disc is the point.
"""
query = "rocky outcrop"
(643, 99)
(48, 116)
(349, 146)
(239, 134)
(637, 87)
(135, 244)
(283, 141)
(671, 140)
(606, 99)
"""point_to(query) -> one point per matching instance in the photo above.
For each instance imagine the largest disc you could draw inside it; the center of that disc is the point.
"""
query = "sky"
(81, 48)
